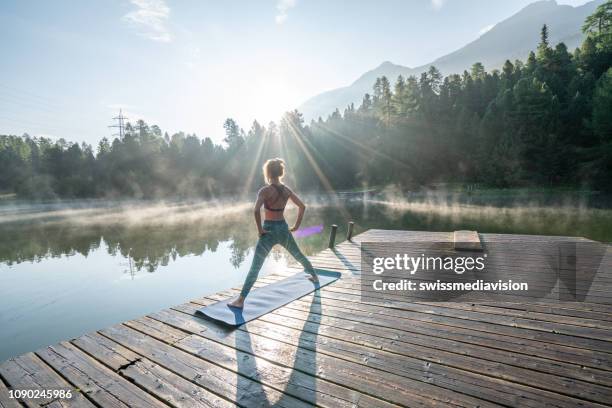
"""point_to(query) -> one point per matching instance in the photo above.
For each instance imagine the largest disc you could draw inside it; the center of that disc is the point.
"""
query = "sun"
(270, 97)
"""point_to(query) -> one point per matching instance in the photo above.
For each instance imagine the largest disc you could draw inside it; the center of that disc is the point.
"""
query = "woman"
(275, 230)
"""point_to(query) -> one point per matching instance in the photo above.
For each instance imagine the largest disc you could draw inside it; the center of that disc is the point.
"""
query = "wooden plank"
(363, 400)
(237, 388)
(557, 309)
(583, 337)
(552, 295)
(399, 342)
(380, 326)
(517, 241)
(171, 388)
(548, 314)
(5, 399)
(102, 385)
(298, 384)
(147, 325)
(106, 351)
(571, 306)
(415, 235)
(528, 314)
(378, 315)
(28, 372)
(401, 365)
(466, 241)
(559, 352)
(153, 378)
(580, 310)
(555, 313)
(353, 290)
(442, 351)
(529, 248)
(307, 363)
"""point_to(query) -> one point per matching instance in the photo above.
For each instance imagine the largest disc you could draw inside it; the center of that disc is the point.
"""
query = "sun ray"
(284, 150)
(296, 134)
(362, 146)
(254, 166)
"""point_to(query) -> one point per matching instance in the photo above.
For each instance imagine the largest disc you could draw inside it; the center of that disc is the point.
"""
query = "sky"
(68, 66)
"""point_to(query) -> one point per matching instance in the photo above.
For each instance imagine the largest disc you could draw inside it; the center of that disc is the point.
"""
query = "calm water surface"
(68, 269)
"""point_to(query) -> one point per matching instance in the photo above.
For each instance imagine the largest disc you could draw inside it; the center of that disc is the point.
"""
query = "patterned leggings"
(278, 233)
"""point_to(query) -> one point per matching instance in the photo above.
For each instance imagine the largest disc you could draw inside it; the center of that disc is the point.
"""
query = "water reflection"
(151, 236)
(147, 237)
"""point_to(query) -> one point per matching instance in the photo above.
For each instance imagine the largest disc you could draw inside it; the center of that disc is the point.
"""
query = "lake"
(73, 267)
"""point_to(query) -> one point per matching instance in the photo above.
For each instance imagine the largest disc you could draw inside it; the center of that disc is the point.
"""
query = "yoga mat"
(267, 298)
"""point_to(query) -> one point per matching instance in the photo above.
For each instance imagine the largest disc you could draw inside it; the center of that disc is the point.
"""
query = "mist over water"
(148, 233)
(68, 268)
(575, 215)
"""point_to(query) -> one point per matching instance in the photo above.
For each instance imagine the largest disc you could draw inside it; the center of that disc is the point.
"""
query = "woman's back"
(275, 197)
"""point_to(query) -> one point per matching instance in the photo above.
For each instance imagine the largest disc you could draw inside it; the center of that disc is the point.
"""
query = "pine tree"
(599, 25)
(366, 104)
(435, 78)
(233, 136)
(399, 96)
(508, 71)
(478, 71)
(602, 108)
(544, 50)
(386, 100)
(532, 63)
(377, 90)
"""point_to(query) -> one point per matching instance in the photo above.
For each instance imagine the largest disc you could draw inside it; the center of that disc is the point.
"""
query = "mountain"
(510, 39)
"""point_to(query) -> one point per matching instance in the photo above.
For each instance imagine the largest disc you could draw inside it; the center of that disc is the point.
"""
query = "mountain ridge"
(511, 38)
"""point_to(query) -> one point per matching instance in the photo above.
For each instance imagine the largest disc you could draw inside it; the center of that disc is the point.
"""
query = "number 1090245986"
(40, 394)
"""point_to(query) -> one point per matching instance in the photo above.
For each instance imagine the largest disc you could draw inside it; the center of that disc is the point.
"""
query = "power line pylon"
(120, 125)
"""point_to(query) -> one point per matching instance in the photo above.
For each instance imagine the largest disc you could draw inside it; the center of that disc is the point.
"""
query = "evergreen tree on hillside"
(597, 48)
(385, 102)
(545, 121)
(602, 108)
(543, 46)
(599, 25)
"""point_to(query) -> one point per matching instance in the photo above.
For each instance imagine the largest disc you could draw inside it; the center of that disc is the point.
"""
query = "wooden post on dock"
(332, 235)
(349, 231)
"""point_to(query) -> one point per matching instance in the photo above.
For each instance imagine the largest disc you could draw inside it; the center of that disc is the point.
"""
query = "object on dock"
(332, 236)
(268, 298)
(349, 231)
(466, 241)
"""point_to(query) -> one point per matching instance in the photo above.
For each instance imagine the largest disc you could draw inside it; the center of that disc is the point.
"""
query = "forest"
(546, 121)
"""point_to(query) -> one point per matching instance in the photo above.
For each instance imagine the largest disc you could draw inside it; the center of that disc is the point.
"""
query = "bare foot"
(313, 278)
(238, 303)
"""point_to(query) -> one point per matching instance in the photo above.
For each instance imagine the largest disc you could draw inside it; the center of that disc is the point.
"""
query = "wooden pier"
(334, 348)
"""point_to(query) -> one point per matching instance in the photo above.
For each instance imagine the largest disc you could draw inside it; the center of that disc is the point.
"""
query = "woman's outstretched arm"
(257, 213)
(301, 208)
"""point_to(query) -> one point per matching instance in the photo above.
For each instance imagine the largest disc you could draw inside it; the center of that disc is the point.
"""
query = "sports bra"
(280, 190)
